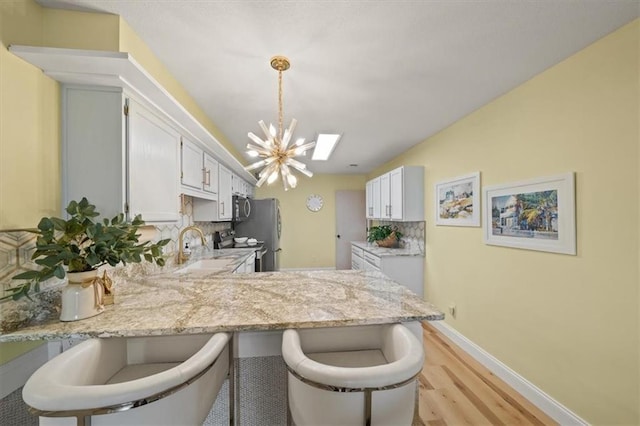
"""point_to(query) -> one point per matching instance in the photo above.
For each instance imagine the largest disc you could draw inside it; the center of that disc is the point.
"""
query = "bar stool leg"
(367, 407)
(232, 387)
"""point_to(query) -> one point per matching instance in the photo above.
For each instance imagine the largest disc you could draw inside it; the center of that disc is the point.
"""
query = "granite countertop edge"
(387, 252)
(150, 301)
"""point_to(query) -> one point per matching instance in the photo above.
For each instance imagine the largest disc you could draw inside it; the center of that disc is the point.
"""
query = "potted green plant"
(80, 245)
(384, 235)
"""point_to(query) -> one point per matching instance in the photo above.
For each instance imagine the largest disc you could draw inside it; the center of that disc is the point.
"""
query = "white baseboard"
(14, 374)
(535, 395)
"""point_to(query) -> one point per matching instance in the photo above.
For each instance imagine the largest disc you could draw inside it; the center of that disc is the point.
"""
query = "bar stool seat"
(352, 375)
(164, 380)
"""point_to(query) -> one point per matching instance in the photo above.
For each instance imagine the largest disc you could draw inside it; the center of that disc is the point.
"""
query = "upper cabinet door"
(224, 193)
(377, 202)
(192, 160)
(210, 174)
(154, 155)
(119, 154)
(385, 196)
(396, 194)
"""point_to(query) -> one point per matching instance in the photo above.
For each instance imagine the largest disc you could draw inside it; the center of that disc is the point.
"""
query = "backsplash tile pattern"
(17, 247)
(413, 234)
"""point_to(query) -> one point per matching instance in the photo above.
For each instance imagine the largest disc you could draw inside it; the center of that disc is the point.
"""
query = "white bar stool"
(166, 380)
(352, 375)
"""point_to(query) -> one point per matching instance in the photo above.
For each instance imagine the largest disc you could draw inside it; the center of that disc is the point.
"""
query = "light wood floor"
(455, 389)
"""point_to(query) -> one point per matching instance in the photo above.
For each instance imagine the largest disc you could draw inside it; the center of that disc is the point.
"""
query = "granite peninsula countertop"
(384, 251)
(171, 302)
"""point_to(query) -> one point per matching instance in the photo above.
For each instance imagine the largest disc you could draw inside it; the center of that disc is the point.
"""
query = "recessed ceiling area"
(385, 75)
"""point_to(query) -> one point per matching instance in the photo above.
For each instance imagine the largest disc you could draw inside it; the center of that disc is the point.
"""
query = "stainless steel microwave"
(241, 208)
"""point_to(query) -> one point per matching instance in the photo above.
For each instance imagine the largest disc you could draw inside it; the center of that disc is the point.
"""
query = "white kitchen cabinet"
(405, 270)
(192, 162)
(120, 154)
(397, 195)
(199, 171)
(372, 197)
(357, 258)
(225, 192)
(211, 166)
(385, 196)
(248, 266)
(220, 208)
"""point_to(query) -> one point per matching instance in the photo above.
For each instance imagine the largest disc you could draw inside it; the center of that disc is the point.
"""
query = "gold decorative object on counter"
(107, 284)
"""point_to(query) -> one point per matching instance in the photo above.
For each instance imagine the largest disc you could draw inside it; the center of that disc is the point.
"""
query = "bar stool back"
(163, 380)
(352, 375)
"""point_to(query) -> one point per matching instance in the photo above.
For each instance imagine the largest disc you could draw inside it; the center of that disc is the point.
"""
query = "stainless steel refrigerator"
(264, 224)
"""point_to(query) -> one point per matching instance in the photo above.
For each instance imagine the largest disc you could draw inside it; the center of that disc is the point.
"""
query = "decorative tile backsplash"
(17, 247)
(413, 234)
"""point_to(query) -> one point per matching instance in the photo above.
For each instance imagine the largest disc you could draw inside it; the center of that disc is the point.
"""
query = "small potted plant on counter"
(76, 248)
(384, 236)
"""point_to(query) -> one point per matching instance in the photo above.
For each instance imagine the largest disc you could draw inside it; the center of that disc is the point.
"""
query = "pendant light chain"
(280, 113)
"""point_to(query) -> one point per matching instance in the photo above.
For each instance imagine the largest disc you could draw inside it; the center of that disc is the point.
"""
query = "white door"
(351, 224)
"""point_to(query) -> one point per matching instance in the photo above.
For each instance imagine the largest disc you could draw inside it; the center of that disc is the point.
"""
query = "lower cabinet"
(248, 267)
(405, 270)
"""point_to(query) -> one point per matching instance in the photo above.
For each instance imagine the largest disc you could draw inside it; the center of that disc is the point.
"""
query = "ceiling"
(384, 74)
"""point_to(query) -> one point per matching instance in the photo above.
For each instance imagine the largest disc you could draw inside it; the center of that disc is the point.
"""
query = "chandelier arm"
(259, 141)
(288, 133)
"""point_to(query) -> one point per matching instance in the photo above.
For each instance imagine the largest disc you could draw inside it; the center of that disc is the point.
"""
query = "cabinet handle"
(207, 177)
(222, 205)
(390, 210)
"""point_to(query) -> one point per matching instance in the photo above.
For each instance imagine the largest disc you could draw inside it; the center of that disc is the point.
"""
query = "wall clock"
(314, 202)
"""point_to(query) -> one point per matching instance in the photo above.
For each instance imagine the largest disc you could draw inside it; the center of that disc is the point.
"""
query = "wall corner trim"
(535, 395)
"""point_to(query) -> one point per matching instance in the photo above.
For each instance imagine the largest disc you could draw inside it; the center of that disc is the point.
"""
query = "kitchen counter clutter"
(190, 301)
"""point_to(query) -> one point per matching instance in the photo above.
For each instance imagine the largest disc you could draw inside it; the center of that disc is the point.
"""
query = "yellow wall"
(80, 30)
(569, 324)
(308, 238)
(29, 124)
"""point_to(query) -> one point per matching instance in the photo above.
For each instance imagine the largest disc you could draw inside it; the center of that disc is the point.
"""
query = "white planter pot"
(80, 298)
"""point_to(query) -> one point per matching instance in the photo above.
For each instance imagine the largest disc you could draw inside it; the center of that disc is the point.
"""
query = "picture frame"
(457, 201)
(536, 214)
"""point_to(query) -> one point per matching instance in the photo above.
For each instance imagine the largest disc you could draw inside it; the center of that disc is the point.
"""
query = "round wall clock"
(314, 202)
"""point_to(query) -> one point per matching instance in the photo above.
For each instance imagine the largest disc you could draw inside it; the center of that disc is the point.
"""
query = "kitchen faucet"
(181, 254)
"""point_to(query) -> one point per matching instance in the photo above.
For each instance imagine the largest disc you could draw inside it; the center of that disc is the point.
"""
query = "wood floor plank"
(457, 389)
(486, 399)
(455, 408)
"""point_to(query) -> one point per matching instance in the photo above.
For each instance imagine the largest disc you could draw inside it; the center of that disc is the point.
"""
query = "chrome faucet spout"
(181, 254)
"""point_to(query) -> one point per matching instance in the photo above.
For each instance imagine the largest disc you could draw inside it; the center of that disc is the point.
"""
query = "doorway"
(351, 224)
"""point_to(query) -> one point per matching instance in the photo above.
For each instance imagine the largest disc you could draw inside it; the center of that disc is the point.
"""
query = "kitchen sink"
(206, 265)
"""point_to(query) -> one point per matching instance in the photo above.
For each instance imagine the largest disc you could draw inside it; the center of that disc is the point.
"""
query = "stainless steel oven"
(241, 208)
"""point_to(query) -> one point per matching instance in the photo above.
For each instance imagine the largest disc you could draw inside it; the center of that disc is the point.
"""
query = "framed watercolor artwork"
(458, 201)
(537, 214)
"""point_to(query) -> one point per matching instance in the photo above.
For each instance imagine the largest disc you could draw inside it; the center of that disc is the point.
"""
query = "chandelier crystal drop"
(276, 152)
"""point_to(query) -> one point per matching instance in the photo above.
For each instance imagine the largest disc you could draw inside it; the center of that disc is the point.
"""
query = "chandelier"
(275, 151)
